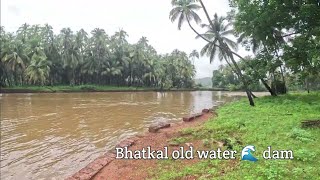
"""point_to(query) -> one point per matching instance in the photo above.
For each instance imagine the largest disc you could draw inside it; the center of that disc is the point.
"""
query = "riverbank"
(108, 167)
(93, 88)
(274, 121)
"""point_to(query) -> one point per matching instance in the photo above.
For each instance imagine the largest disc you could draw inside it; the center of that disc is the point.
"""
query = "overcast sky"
(149, 18)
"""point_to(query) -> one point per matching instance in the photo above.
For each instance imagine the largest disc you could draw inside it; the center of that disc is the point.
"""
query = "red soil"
(107, 167)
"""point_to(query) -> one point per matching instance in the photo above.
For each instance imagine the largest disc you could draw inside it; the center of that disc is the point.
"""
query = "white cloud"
(139, 18)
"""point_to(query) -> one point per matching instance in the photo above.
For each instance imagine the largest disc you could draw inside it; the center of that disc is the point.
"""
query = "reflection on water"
(53, 135)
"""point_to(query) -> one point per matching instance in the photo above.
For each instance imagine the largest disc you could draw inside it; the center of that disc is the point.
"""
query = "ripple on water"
(51, 136)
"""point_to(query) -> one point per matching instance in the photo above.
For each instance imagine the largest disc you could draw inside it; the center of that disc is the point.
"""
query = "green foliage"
(305, 155)
(226, 78)
(178, 140)
(87, 87)
(232, 87)
(220, 36)
(284, 35)
(34, 55)
(301, 134)
(187, 131)
(184, 10)
(273, 122)
(279, 87)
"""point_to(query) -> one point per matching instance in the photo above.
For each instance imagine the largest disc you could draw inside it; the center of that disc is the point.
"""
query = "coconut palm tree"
(218, 33)
(121, 36)
(81, 41)
(219, 36)
(137, 57)
(15, 60)
(38, 71)
(100, 53)
(22, 32)
(194, 54)
(70, 56)
(112, 69)
(78, 58)
(184, 10)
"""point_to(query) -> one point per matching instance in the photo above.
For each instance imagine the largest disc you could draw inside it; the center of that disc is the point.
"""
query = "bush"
(87, 87)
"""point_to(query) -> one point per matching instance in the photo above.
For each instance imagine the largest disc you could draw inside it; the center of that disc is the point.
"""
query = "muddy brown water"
(51, 136)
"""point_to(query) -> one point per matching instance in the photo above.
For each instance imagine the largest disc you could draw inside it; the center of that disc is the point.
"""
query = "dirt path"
(107, 167)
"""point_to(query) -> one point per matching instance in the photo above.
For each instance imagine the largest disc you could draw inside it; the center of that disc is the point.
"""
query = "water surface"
(51, 136)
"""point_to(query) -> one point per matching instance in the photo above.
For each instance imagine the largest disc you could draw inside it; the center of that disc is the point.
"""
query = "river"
(51, 136)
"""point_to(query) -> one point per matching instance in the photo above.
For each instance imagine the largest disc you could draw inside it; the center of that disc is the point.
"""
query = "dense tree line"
(34, 55)
(284, 35)
(254, 68)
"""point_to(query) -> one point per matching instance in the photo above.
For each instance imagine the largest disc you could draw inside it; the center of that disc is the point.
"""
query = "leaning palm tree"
(184, 10)
(218, 33)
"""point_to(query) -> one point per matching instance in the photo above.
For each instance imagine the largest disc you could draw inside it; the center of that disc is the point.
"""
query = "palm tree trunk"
(230, 54)
(207, 14)
(245, 83)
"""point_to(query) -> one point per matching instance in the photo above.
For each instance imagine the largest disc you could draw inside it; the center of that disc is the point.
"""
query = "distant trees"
(194, 55)
(224, 77)
(34, 55)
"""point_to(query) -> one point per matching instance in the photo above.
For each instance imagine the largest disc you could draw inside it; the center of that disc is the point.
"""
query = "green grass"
(275, 122)
(178, 140)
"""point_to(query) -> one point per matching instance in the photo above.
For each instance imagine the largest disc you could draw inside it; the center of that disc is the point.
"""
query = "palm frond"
(194, 6)
(228, 25)
(204, 50)
(205, 26)
(241, 38)
(174, 13)
(231, 43)
(213, 53)
(181, 20)
(227, 32)
(195, 17)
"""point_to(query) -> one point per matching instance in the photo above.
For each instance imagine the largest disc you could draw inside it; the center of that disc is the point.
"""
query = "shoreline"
(90, 90)
(108, 166)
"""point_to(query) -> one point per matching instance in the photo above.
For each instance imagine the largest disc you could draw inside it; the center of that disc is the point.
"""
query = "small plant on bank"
(187, 131)
(178, 141)
(301, 134)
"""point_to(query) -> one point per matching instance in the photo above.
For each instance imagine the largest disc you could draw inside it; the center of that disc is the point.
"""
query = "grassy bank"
(91, 88)
(275, 122)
